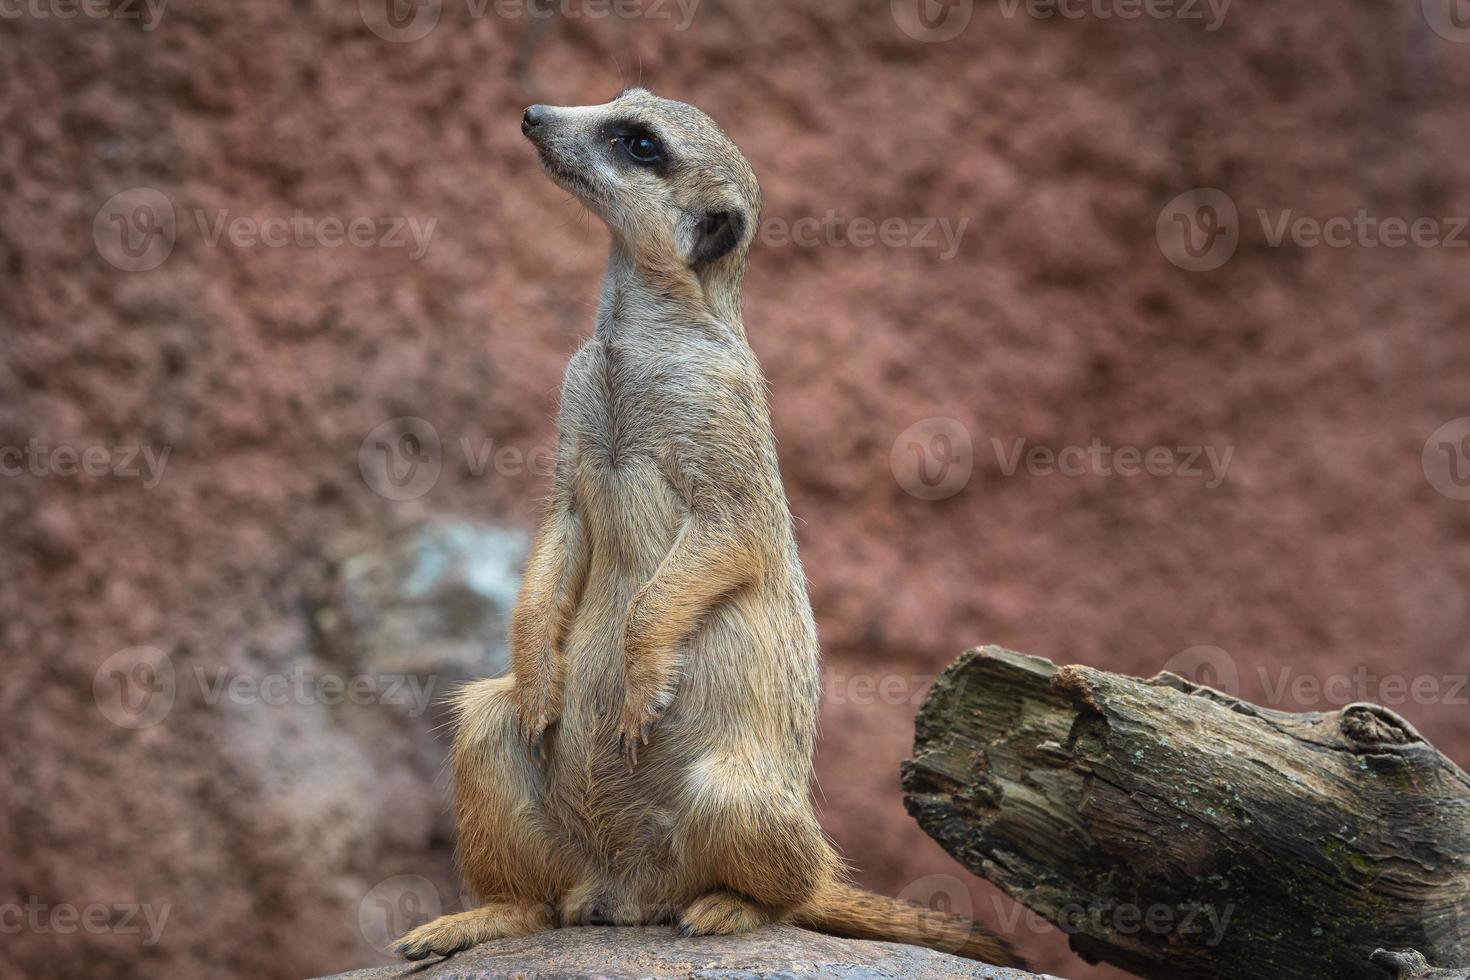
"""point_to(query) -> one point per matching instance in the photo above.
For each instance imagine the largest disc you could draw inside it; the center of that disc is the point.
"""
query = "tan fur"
(649, 760)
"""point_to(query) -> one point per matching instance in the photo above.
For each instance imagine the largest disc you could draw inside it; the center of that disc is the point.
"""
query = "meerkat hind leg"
(722, 913)
(508, 859)
(452, 933)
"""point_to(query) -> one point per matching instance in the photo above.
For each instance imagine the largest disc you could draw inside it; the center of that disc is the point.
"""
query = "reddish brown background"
(1059, 320)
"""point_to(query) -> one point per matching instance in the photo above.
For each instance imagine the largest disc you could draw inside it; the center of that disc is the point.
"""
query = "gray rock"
(434, 599)
(775, 952)
(1410, 964)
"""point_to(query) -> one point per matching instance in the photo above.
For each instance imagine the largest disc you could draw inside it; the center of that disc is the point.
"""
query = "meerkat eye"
(642, 149)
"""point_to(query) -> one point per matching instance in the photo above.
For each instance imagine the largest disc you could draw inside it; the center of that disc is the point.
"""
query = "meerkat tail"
(843, 910)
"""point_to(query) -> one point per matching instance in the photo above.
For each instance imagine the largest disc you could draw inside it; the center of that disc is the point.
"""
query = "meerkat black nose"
(535, 116)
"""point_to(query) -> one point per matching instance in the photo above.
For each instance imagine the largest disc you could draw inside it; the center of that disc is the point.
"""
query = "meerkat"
(649, 758)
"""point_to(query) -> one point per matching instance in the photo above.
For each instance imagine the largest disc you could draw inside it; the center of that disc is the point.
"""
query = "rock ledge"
(779, 951)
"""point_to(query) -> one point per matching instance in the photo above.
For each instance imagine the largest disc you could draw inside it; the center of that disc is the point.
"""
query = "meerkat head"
(667, 181)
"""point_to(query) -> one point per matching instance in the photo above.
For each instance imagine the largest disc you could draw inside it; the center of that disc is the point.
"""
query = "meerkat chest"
(630, 406)
(622, 415)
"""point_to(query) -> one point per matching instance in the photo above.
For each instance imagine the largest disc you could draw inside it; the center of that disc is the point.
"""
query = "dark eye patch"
(636, 145)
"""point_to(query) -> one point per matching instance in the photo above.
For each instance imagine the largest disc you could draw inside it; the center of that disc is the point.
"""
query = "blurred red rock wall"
(1045, 294)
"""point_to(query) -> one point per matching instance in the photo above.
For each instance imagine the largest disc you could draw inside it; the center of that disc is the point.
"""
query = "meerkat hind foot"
(722, 913)
(451, 934)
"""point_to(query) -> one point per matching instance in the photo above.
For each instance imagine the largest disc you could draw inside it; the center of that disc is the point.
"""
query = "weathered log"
(1176, 831)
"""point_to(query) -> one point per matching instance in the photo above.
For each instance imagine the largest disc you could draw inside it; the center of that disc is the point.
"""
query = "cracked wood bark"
(1176, 831)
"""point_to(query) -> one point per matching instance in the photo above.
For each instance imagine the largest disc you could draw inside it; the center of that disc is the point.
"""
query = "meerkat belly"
(631, 518)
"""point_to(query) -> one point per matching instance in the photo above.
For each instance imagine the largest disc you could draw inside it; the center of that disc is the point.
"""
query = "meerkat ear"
(714, 235)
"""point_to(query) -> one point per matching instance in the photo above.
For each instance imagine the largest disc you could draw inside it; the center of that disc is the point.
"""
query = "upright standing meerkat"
(649, 758)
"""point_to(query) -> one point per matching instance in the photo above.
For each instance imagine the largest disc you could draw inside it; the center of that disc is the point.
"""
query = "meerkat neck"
(634, 299)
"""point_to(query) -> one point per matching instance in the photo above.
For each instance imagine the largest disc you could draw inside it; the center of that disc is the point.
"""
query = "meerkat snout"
(664, 178)
(534, 116)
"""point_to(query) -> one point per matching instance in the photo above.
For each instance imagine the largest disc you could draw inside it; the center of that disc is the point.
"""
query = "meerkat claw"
(531, 734)
(637, 729)
(628, 745)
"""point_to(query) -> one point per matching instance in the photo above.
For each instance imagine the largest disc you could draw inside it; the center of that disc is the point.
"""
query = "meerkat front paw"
(534, 710)
(641, 713)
